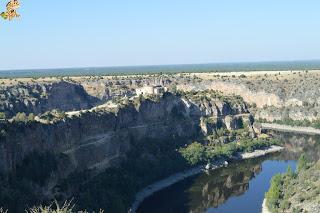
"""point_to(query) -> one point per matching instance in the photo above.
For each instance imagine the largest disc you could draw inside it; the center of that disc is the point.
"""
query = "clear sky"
(84, 33)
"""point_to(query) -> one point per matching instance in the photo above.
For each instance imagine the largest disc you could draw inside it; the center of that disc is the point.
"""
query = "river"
(238, 188)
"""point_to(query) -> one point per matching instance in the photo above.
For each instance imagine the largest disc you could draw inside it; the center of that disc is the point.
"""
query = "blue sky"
(83, 33)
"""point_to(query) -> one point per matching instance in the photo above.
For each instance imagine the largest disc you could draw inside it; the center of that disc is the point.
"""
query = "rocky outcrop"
(260, 98)
(108, 135)
(98, 140)
(41, 97)
(291, 95)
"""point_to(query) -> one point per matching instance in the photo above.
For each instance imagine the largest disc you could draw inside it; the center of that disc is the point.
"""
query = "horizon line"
(159, 65)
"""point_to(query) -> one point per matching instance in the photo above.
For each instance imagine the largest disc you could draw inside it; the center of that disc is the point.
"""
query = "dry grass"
(3, 210)
(67, 207)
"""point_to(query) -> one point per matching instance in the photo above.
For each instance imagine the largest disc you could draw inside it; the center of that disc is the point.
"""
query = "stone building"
(150, 90)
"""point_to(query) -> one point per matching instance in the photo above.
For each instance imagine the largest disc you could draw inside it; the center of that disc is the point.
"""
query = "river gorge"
(100, 141)
(240, 186)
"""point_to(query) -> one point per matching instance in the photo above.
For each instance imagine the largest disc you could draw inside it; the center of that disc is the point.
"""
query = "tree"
(31, 117)
(194, 153)
(20, 117)
(2, 115)
(274, 192)
(290, 173)
(302, 163)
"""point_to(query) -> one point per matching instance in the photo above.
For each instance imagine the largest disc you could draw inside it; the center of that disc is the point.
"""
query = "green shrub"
(2, 115)
(290, 174)
(197, 153)
(274, 193)
(302, 163)
(20, 117)
(194, 153)
(284, 205)
(305, 122)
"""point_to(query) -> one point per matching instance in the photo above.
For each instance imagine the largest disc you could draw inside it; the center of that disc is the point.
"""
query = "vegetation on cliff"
(291, 122)
(211, 95)
(2, 115)
(197, 153)
(296, 191)
(146, 157)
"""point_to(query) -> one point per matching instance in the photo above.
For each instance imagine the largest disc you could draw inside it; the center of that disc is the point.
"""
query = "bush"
(53, 208)
(20, 117)
(285, 205)
(290, 174)
(2, 210)
(31, 117)
(302, 163)
(2, 115)
(274, 193)
(194, 153)
(67, 207)
(3, 133)
(197, 153)
(305, 123)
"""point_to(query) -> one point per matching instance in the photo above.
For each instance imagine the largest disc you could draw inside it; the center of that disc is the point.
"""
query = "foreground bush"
(67, 207)
(296, 191)
(3, 211)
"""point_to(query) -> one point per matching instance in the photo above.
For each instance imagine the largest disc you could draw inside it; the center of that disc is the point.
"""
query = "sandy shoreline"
(287, 128)
(264, 207)
(157, 186)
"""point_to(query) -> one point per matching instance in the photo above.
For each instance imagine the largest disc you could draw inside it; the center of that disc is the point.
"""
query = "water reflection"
(213, 189)
(237, 188)
(297, 144)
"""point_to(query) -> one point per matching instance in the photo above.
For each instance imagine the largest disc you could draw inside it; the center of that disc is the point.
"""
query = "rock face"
(291, 95)
(109, 135)
(297, 113)
(94, 141)
(260, 98)
(269, 105)
(37, 98)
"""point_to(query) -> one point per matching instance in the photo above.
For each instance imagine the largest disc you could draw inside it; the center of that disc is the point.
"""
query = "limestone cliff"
(40, 97)
(108, 135)
(292, 96)
(97, 140)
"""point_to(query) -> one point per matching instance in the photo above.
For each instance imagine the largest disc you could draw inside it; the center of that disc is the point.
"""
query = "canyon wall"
(108, 135)
(41, 97)
(267, 104)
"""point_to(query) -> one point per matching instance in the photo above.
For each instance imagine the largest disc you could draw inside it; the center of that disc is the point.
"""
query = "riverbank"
(151, 189)
(287, 128)
(264, 207)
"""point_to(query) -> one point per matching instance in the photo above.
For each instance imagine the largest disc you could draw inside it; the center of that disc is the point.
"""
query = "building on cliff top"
(150, 90)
